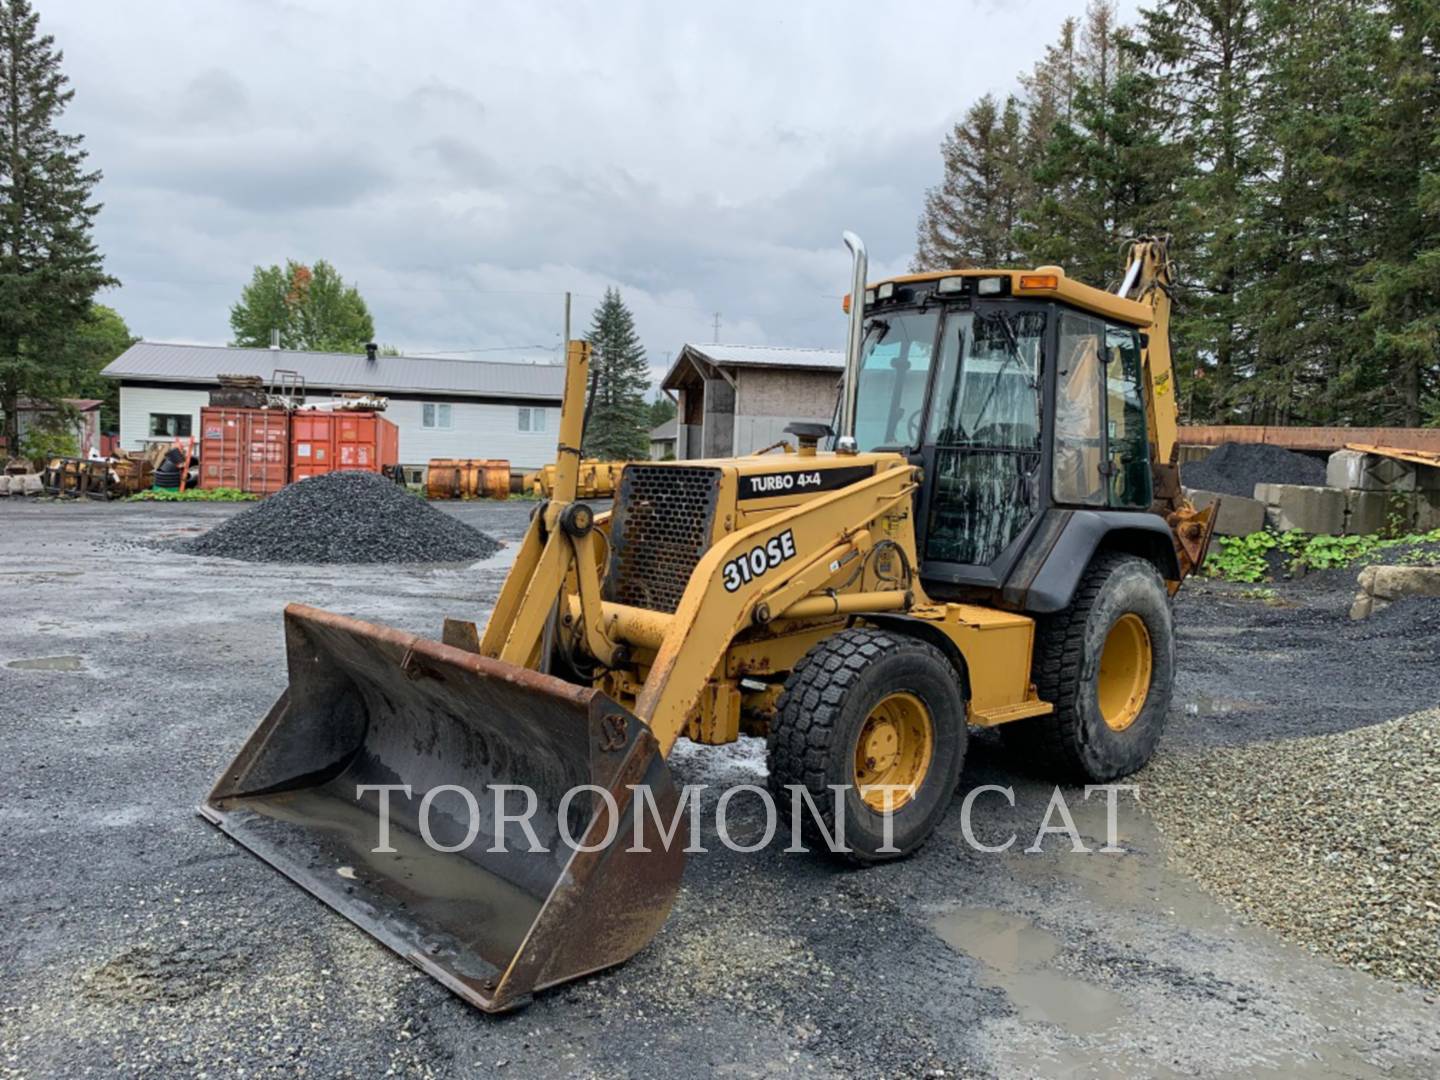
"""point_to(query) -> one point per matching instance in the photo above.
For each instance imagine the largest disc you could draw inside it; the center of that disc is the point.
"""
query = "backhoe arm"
(1149, 277)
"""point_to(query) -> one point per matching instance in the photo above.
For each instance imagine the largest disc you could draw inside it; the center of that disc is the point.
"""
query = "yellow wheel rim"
(1125, 665)
(894, 749)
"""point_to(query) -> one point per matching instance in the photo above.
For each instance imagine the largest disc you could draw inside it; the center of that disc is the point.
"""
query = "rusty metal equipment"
(467, 478)
(96, 478)
(368, 705)
(595, 479)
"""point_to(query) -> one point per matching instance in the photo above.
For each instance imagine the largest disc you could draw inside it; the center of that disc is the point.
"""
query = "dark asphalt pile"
(1235, 469)
(343, 517)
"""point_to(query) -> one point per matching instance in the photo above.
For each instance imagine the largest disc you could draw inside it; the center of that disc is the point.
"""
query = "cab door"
(1102, 448)
(982, 444)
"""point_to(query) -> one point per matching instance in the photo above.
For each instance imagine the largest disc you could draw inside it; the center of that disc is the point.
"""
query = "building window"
(169, 425)
(435, 415)
(532, 419)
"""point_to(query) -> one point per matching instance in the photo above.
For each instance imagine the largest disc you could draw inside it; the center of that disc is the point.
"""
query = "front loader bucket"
(369, 705)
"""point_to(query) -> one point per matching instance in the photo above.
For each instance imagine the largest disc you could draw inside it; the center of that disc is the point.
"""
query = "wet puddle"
(1018, 958)
(48, 663)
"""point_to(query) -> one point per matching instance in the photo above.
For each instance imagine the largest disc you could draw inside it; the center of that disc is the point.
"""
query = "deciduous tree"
(312, 308)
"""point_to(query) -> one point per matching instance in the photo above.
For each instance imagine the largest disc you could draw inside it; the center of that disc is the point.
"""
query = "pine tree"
(970, 218)
(1110, 171)
(1310, 234)
(1401, 192)
(1050, 89)
(1209, 57)
(312, 308)
(618, 427)
(49, 267)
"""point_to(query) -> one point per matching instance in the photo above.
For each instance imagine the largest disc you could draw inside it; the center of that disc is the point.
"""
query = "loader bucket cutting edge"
(370, 705)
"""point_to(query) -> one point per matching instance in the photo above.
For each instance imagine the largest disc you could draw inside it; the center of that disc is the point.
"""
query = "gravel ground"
(1333, 841)
(1235, 469)
(1284, 660)
(138, 940)
(342, 517)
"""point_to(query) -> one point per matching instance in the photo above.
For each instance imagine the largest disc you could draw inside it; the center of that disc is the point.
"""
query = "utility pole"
(717, 328)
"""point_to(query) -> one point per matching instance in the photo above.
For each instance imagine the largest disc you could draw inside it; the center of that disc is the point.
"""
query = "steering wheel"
(912, 427)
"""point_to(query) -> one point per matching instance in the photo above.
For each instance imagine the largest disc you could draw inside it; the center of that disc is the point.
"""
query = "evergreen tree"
(49, 267)
(312, 308)
(1111, 171)
(618, 427)
(1400, 163)
(970, 218)
(1310, 235)
(1209, 57)
(1050, 90)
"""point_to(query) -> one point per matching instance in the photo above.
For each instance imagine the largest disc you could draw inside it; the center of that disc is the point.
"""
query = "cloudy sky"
(466, 163)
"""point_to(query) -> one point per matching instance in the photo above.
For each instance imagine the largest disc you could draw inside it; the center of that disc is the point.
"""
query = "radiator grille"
(661, 528)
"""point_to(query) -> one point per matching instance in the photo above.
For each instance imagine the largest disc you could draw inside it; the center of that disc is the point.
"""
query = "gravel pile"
(1331, 841)
(343, 517)
(1235, 469)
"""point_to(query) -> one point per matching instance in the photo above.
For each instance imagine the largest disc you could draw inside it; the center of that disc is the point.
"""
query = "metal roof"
(775, 356)
(156, 361)
(664, 431)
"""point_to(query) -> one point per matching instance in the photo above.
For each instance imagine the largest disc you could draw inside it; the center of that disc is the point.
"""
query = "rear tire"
(867, 706)
(1107, 664)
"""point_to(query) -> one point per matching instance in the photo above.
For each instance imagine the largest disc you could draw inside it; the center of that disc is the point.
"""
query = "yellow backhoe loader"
(986, 538)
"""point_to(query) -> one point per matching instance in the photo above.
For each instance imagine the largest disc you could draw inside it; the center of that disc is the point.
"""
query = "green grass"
(193, 495)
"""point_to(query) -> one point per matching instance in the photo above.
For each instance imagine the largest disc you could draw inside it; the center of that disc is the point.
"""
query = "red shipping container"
(322, 442)
(248, 449)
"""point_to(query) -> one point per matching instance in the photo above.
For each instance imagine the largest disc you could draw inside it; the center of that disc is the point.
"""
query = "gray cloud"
(466, 164)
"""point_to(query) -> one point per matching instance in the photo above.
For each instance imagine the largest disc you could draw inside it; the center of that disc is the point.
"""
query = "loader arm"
(822, 532)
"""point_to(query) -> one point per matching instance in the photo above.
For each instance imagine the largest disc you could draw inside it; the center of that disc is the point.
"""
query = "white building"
(736, 399)
(443, 408)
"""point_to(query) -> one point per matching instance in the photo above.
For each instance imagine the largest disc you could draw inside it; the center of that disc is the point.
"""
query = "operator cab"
(1017, 392)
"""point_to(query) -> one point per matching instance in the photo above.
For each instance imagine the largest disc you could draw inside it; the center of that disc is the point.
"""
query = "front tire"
(866, 707)
(1107, 664)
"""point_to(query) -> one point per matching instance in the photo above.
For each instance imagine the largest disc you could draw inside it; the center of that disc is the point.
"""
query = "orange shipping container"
(248, 449)
(322, 442)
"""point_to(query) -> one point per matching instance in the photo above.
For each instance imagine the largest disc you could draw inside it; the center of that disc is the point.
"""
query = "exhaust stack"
(854, 338)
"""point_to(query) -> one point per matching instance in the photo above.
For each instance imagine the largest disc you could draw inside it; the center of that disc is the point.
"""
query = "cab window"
(894, 367)
(1101, 444)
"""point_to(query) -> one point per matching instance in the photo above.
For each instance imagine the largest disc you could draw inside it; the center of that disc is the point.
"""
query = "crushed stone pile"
(343, 517)
(1332, 841)
(1235, 469)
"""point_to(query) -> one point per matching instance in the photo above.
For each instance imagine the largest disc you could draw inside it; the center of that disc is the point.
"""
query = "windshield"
(894, 367)
(987, 393)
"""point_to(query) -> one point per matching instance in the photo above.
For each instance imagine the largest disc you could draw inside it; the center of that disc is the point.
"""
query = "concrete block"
(1300, 506)
(1356, 470)
(1369, 511)
(1393, 475)
(1238, 516)
(1346, 470)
